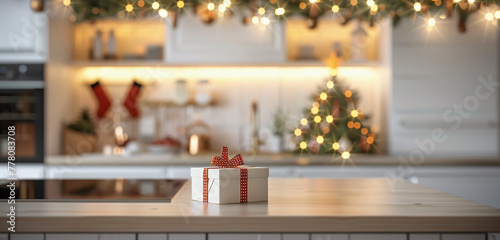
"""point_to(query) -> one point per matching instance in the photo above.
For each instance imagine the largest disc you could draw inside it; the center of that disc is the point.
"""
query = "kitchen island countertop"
(295, 205)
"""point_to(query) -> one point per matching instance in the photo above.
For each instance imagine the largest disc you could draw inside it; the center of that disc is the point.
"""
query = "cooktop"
(93, 190)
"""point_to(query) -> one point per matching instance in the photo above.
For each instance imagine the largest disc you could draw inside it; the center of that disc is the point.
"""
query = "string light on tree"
(417, 6)
(302, 5)
(66, 3)
(303, 121)
(316, 105)
(348, 93)
(354, 113)
(471, 1)
(323, 96)
(317, 119)
(497, 14)
(279, 11)
(155, 5)
(330, 84)
(320, 139)
(140, 3)
(227, 3)
(329, 119)
(370, 3)
(163, 13)
(346, 155)
(314, 110)
(298, 132)
(364, 131)
(265, 21)
(313, 1)
(303, 145)
(335, 146)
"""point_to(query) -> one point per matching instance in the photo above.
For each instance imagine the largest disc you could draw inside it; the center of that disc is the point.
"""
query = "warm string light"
(227, 3)
(211, 6)
(489, 16)
(303, 145)
(303, 121)
(163, 13)
(298, 132)
(323, 96)
(320, 139)
(335, 146)
(265, 21)
(222, 8)
(255, 20)
(180, 4)
(66, 3)
(155, 5)
(317, 119)
(329, 119)
(314, 110)
(354, 113)
(129, 8)
(431, 22)
(261, 11)
(417, 6)
(497, 14)
(370, 3)
(330, 84)
(346, 155)
(335, 8)
(279, 11)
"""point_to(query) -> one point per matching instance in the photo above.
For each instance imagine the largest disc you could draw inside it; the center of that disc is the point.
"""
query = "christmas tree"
(335, 123)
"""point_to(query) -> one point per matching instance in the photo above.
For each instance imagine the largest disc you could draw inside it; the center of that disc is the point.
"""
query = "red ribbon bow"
(224, 162)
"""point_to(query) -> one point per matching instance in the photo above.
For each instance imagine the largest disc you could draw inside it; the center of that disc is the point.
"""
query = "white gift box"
(224, 184)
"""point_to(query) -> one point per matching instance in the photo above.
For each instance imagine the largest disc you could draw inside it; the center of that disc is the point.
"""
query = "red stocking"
(132, 98)
(102, 97)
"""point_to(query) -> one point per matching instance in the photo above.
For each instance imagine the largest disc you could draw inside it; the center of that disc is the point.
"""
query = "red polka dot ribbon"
(224, 162)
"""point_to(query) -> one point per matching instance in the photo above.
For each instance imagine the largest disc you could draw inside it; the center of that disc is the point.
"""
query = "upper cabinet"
(224, 41)
(23, 35)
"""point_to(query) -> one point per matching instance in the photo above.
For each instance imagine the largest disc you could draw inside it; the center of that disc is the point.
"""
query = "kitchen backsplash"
(233, 90)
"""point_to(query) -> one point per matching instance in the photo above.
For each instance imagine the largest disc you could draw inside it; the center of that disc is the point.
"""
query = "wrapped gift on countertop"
(229, 181)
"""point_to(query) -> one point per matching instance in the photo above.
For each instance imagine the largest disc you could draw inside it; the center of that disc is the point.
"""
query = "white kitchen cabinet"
(434, 87)
(104, 172)
(23, 35)
(71, 236)
(494, 236)
(25, 171)
(224, 41)
(186, 236)
(329, 236)
(27, 236)
(424, 236)
(117, 236)
(152, 236)
(463, 236)
(244, 236)
(378, 236)
(295, 236)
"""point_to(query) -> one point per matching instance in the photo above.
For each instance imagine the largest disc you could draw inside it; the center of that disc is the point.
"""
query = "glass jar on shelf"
(202, 95)
(181, 96)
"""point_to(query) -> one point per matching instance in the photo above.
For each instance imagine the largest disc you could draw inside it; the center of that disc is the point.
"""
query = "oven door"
(21, 106)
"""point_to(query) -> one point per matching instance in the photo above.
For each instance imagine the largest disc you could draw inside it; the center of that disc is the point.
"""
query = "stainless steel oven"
(21, 105)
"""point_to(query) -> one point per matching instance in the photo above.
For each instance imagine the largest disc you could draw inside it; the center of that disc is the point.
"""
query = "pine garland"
(369, 11)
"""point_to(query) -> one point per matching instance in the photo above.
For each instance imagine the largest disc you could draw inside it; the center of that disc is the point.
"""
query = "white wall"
(435, 70)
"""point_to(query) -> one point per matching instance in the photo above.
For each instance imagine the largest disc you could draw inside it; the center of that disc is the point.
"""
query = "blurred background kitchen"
(141, 89)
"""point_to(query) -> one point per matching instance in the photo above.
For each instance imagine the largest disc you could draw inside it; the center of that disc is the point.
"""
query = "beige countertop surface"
(262, 160)
(295, 205)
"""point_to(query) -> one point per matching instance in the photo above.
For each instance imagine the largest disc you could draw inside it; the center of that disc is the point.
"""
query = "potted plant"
(79, 136)
(279, 124)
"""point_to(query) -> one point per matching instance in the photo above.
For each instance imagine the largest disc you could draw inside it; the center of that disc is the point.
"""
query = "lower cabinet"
(4, 236)
(329, 236)
(424, 236)
(246, 236)
(27, 236)
(71, 236)
(152, 236)
(250, 236)
(377, 236)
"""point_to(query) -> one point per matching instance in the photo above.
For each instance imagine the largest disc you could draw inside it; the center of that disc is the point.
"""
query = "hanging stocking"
(131, 99)
(102, 97)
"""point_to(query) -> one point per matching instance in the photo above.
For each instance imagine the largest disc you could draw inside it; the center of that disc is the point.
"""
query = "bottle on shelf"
(97, 47)
(111, 45)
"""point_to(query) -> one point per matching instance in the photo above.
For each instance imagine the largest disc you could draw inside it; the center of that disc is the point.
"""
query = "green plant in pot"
(79, 136)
